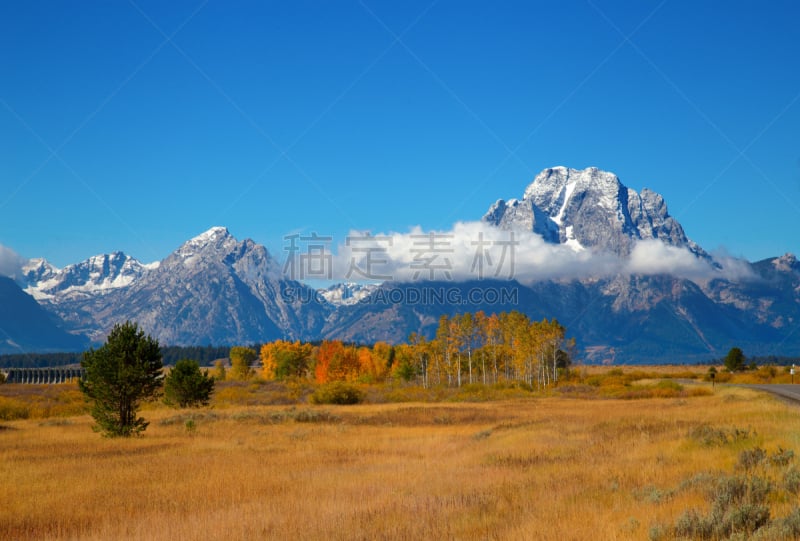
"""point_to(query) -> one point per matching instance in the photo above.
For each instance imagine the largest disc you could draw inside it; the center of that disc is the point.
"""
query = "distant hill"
(26, 326)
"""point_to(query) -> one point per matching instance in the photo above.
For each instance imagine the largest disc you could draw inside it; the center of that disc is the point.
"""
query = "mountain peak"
(553, 187)
(214, 240)
(36, 270)
(590, 208)
(215, 233)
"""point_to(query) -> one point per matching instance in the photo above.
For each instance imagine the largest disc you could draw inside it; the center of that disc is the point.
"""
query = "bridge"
(58, 374)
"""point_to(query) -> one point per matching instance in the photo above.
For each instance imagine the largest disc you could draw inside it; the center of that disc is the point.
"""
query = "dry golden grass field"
(565, 465)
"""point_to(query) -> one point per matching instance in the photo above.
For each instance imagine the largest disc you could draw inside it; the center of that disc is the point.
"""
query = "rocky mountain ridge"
(213, 289)
(217, 289)
(96, 275)
(589, 208)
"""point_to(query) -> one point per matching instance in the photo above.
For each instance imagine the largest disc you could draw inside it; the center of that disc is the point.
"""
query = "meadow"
(626, 455)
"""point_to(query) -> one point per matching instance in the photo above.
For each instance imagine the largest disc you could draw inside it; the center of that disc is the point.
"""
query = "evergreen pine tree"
(121, 374)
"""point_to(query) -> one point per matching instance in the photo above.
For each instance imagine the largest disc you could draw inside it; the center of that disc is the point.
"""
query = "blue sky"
(136, 125)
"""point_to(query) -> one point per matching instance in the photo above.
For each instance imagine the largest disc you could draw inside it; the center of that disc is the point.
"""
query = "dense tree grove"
(39, 360)
(467, 348)
(204, 355)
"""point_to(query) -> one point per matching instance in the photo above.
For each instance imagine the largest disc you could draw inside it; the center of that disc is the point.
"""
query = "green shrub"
(708, 435)
(314, 416)
(186, 386)
(791, 481)
(740, 503)
(752, 458)
(692, 525)
(670, 385)
(782, 457)
(337, 392)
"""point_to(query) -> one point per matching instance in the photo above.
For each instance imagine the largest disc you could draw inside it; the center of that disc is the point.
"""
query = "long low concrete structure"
(43, 375)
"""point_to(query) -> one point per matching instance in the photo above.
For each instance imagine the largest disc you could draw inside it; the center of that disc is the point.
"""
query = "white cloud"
(735, 269)
(473, 250)
(654, 257)
(10, 262)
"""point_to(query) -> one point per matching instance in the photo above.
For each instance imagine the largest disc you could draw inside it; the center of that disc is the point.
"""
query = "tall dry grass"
(540, 468)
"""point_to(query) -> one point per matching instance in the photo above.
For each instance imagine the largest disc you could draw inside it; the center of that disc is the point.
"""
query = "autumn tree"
(367, 369)
(241, 359)
(475, 345)
(382, 359)
(445, 343)
(282, 359)
(420, 350)
(219, 370)
(336, 362)
(481, 338)
(404, 367)
(492, 341)
(120, 375)
(465, 329)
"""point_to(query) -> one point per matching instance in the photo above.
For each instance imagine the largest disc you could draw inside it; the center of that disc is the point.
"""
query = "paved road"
(785, 390)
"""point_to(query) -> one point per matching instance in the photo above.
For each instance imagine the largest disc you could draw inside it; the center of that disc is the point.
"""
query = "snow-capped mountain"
(622, 318)
(213, 289)
(97, 275)
(347, 293)
(35, 271)
(217, 289)
(589, 208)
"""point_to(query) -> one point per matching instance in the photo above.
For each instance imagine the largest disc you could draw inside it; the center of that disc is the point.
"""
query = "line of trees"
(204, 355)
(467, 348)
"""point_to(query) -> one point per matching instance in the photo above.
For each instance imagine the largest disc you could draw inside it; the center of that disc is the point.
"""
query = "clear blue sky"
(136, 125)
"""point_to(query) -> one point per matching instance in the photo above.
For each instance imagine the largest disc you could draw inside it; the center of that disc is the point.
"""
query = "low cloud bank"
(475, 250)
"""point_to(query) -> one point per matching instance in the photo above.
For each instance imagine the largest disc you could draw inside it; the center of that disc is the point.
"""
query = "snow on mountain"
(589, 208)
(215, 240)
(37, 270)
(213, 289)
(217, 289)
(348, 293)
(97, 275)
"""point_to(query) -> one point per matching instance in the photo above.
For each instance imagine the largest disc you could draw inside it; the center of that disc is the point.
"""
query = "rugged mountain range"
(626, 318)
(213, 289)
(217, 289)
(618, 317)
(95, 276)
